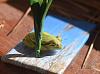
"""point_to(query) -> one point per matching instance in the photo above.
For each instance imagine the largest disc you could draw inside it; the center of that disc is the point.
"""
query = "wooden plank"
(5, 43)
(9, 16)
(78, 9)
(95, 4)
(3, 1)
(74, 67)
(53, 61)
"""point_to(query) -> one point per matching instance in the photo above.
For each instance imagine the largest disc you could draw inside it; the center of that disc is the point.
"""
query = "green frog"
(48, 42)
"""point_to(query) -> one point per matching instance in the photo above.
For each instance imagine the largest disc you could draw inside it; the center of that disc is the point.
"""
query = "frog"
(48, 42)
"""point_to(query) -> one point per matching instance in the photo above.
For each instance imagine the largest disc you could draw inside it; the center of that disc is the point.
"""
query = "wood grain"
(81, 9)
(8, 21)
(10, 69)
(54, 61)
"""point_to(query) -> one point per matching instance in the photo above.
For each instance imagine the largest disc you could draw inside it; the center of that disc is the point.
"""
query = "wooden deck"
(74, 68)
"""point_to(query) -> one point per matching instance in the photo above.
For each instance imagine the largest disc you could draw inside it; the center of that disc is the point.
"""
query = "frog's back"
(46, 37)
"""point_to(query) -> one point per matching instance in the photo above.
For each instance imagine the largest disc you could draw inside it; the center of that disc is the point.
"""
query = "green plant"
(39, 9)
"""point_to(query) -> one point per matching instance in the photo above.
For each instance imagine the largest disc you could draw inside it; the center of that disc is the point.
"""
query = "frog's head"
(56, 43)
(59, 38)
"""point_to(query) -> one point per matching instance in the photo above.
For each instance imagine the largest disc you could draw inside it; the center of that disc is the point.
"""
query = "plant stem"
(39, 13)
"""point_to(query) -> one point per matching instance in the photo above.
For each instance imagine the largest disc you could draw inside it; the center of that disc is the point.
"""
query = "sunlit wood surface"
(75, 66)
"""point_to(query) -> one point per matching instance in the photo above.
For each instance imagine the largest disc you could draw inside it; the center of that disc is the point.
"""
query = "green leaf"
(31, 2)
(40, 2)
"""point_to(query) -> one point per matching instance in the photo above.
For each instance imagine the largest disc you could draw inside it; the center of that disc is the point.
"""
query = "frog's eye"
(59, 38)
